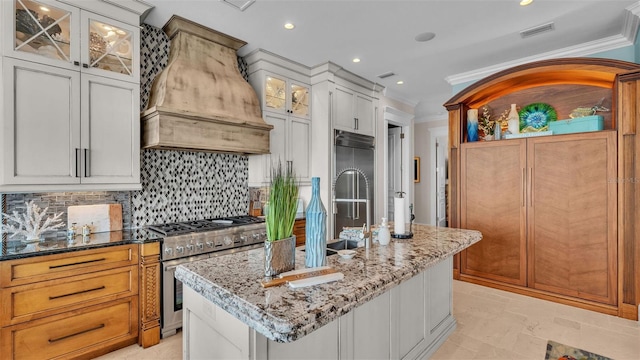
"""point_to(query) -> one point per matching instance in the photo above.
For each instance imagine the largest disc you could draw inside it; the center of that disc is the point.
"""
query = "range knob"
(227, 240)
(168, 251)
(243, 238)
(200, 246)
(190, 247)
(180, 249)
(210, 244)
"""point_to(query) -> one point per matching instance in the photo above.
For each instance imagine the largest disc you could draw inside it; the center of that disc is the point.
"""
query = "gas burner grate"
(204, 225)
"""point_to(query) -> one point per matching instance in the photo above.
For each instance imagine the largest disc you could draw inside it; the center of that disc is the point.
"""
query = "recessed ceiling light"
(289, 26)
(525, 2)
(426, 36)
(399, 82)
(356, 60)
(43, 8)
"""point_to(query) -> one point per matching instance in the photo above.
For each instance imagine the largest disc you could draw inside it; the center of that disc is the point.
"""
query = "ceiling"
(472, 37)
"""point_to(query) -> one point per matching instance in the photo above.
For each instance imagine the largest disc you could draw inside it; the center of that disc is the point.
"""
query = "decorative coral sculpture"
(30, 223)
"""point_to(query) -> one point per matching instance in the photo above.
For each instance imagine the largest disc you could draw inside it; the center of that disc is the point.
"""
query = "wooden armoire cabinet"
(557, 212)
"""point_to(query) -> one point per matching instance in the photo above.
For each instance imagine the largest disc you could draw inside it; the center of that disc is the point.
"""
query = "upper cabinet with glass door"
(54, 33)
(286, 96)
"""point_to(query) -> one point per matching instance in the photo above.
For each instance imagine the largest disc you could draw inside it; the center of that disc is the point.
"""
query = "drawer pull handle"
(78, 333)
(76, 293)
(78, 263)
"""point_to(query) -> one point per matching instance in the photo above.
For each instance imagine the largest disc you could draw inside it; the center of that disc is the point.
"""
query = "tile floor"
(493, 324)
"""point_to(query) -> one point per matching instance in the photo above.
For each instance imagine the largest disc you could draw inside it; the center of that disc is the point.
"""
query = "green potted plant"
(283, 203)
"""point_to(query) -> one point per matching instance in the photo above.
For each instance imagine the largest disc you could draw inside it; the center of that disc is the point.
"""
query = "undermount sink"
(332, 248)
(343, 245)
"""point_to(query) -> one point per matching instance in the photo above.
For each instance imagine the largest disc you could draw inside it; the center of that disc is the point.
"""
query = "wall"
(176, 185)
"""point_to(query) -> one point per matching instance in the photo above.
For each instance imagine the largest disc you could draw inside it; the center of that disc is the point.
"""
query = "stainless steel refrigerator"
(353, 151)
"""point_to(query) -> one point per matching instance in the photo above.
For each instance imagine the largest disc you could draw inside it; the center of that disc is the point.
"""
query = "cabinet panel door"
(572, 215)
(365, 115)
(277, 142)
(344, 116)
(110, 131)
(492, 201)
(41, 124)
(299, 147)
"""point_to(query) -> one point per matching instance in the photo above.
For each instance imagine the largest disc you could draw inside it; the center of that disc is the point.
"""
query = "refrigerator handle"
(356, 195)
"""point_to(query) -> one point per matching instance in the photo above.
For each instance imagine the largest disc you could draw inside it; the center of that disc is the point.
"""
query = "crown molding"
(631, 22)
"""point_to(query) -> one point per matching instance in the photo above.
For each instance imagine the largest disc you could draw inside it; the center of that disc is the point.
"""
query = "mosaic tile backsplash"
(176, 185)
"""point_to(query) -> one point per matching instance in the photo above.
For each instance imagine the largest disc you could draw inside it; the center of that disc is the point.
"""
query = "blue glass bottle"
(316, 228)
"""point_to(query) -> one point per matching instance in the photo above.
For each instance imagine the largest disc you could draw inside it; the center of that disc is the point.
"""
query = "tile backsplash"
(176, 185)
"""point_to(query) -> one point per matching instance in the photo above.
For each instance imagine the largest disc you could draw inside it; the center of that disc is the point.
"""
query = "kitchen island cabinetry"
(285, 97)
(556, 211)
(71, 97)
(395, 302)
(69, 305)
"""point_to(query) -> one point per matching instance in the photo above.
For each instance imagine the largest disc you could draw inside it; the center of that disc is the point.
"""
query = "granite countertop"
(284, 315)
(56, 244)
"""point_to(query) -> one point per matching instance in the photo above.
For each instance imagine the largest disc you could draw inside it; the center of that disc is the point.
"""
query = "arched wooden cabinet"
(558, 213)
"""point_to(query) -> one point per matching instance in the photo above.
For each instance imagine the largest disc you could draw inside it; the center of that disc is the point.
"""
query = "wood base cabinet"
(71, 305)
(547, 210)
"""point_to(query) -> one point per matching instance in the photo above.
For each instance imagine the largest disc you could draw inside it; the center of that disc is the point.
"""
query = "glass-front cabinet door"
(109, 48)
(42, 31)
(275, 93)
(299, 100)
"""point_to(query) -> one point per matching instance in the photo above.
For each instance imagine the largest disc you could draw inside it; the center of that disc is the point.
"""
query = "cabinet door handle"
(76, 63)
(289, 166)
(77, 263)
(355, 123)
(87, 163)
(77, 162)
(75, 334)
(77, 293)
(531, 190)
(524, 185)
(86, 66)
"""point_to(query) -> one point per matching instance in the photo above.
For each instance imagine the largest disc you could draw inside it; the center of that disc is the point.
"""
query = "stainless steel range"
(196, 240)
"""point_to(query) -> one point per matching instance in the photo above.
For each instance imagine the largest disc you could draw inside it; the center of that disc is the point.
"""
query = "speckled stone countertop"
(56, 244)
(284, 315)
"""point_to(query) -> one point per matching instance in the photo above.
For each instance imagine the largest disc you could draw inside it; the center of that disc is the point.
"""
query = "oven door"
(172, 294)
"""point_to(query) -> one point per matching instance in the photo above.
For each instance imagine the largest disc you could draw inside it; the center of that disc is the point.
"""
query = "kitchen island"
(394, 302)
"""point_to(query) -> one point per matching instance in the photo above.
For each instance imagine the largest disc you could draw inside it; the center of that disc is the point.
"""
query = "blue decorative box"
(581, 124)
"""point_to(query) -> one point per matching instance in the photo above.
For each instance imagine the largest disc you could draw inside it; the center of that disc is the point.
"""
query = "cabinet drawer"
(73, 336)
(34, 301)
(41, 268)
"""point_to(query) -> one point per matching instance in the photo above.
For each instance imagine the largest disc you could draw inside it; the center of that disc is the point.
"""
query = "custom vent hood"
(200, 101)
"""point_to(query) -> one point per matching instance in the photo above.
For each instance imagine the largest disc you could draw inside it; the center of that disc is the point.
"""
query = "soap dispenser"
(384, 235)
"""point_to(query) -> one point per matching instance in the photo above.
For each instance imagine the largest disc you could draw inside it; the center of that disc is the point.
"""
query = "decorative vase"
(316, 229)
(472, 125)
(279, 256)
(384, 235)
(497, 133)
(514, 120)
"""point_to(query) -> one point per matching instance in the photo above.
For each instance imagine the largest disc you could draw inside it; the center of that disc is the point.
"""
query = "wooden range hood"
(200, 101)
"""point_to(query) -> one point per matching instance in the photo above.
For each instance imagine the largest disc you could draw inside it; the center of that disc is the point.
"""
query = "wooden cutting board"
(284, 279)
(100, 218)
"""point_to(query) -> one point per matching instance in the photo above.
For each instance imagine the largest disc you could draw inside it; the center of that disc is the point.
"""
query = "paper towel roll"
(399, 215)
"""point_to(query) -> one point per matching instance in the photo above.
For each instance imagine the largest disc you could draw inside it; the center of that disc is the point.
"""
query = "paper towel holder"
(406, 235)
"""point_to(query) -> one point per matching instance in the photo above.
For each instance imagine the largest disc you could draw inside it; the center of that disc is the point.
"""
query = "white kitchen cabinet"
(55, 33)
(410, 321)
(354, 112)
(289, 145)
(71, 101)
(285, 98)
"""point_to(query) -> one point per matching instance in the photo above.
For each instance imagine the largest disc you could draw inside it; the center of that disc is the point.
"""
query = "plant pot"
(279, 256)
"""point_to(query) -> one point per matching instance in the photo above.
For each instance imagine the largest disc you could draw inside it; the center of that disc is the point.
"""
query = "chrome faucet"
(367, 232)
